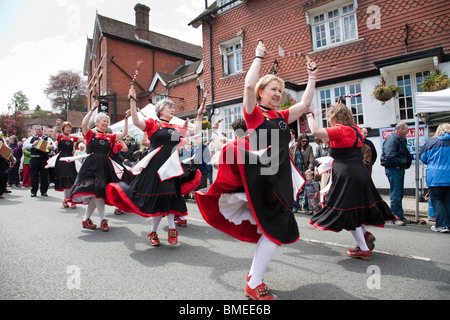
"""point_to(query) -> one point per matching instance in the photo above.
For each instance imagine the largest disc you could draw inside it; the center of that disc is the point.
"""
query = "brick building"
(354, 42)
(111, 60)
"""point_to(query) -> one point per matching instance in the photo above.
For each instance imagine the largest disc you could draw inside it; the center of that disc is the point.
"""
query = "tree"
(67, 91)
(19, 102)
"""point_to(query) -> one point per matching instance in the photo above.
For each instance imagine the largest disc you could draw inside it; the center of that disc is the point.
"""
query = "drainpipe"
(211, 69)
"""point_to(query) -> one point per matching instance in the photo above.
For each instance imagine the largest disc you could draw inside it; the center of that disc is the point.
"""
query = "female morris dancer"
(268, 177)
(97, 170)
(156, 190)
(65, 172)
(352, 200)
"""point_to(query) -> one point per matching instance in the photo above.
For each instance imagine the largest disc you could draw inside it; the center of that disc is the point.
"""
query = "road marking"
(377, 251)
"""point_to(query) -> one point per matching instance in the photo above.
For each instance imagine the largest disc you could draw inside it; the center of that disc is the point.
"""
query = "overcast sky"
(39, 38)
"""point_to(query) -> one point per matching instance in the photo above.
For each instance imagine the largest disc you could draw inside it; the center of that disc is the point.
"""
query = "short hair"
(341, 114)
(100, 116)
(162, 104)
(401, 125)
(65, 124)
(239, 126)
(264, 81)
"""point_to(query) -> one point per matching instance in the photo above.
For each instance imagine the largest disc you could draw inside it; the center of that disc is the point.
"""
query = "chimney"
(142, 21)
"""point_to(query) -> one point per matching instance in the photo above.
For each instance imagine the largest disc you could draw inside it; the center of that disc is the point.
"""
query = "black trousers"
(38, 173)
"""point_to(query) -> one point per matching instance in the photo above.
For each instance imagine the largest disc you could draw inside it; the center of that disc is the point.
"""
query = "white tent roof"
(435, 106)
(145, 113)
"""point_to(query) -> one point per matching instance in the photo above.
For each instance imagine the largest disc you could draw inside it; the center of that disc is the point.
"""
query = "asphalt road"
(46, 255)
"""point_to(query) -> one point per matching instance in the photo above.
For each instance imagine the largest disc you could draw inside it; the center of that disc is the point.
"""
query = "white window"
(409, 84)
(351, 97)
(224, 2)
(334, 27)
(231, 52)
(158, 97)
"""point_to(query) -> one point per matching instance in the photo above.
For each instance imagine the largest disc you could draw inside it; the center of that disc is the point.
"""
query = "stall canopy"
(433, 108)
(144, 113)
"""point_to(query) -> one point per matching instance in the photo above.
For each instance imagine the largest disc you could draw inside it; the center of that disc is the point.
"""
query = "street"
(46, 255)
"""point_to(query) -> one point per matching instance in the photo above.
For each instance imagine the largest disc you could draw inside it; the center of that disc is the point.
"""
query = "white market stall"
(432, 108)
(144, 113)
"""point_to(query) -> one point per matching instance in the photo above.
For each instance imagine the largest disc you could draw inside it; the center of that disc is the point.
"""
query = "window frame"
(402, 100)
(237, 54)
(337, 19)
(330, 95)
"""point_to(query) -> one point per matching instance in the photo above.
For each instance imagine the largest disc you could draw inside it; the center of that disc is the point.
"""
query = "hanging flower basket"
(435, 82)
(383, 95)
(206, 125)
(383, 92)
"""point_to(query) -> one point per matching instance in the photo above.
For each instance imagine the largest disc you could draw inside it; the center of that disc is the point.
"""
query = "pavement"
(409, 207)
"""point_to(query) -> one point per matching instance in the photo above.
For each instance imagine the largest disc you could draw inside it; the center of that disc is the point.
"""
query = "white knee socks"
(156, 220)
(100, 204)
(358, 234)
(95, 203)
(264, 251)
(66, 194)
(89, 209)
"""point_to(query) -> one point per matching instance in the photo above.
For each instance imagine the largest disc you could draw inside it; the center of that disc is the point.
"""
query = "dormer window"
(333, 26)
(228, 7)
(231, 52)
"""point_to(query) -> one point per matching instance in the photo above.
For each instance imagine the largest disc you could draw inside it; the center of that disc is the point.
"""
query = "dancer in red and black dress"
(352, 200)
(65, 172)
(267, 180)
(97, 170)
(156, 190)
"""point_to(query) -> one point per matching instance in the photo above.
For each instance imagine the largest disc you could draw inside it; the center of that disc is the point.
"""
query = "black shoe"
(33, 195)
(44, 194)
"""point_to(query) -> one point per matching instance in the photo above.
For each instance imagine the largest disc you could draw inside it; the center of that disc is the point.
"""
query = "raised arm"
(298, 109)
(320, 133)
(124, 132)
(140, 123)
(55, 129)
(198, 121)
(85, 122)
(252, 78)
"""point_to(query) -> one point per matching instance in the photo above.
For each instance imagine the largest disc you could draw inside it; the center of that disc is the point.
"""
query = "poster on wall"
(410, 138)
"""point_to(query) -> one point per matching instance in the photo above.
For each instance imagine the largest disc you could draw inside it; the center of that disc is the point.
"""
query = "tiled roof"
(117, 29)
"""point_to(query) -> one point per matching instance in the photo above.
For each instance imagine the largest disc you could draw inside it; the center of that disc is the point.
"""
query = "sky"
(39, 38)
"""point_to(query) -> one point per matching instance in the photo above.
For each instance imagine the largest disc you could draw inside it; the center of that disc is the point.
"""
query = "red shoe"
(261, 292)
(88, 224)
(117, 211)
(65, 204)
(2, 197)
(181, 223)
(370, 240)
(154, 240)
(173, 236)
(358, 253)
(73, 206)
(104, 225)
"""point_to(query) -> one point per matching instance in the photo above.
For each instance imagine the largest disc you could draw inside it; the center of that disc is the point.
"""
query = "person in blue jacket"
(435, 153)
(395, 158)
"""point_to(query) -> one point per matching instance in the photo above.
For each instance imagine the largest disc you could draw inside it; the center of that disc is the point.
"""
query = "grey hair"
(162, 104)
(100, 116)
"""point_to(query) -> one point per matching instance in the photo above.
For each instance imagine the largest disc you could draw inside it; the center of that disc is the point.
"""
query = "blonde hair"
(341, 114)
(264, 81)
(65, 124)
(443, 128)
